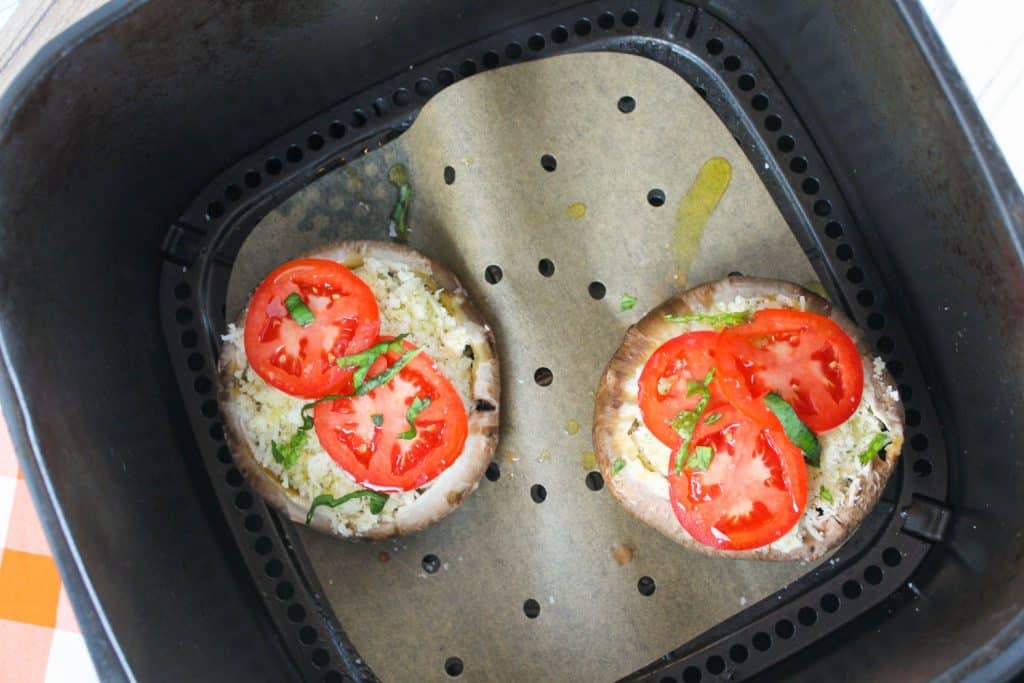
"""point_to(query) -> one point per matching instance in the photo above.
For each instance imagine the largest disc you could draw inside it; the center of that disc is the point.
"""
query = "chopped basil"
(388, 375)
(720, 320)
(627, 302)
(378, 419)
(617, 466)
(287, 454)
(377, 501)
(298, 309)
(398, 229)
(686, 420)
(417, 406)
(797, 432)
(712, 418)
(877, 443)
(363, 360)
(826, 495)
(700, 459)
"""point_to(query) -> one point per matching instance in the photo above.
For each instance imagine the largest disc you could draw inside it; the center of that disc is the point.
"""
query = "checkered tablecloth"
(39, 636)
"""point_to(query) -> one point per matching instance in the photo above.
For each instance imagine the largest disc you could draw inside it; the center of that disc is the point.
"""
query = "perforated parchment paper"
(577, 553)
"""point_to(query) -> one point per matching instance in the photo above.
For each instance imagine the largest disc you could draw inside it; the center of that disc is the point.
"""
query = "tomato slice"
(363, 433)
(753, 492)
(301, 360)
(663, 382)
(804, 357)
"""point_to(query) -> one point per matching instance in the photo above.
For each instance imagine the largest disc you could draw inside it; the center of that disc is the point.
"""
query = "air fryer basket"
(911, 226)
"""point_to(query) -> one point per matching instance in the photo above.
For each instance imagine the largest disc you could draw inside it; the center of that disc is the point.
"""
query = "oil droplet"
(622, 554)
(398, 175)
(817, 288)
(589, 460)
(695, 208)
(383, 556)
(544, 456)
(572, 427)
(577, 210)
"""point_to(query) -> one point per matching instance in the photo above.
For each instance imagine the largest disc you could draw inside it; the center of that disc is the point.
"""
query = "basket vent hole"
(922, 467)
(906, 393)
(746, 82)
(195, 361)
(252, 178)
(214, 210)
(491, 60)
(548, 163)
(209, 409)
(538, 493)
(919, 442)
(785, 629)
(531, 608)
(656, 197)
(811, 186)
(430, 563)
(189, 338)
(785, 144)
(202, 384)
(536, 42)
(449, 175)
(773, 122)
(885, 344)
(307, 635)
(691, 674)
(296, 613)
(274, 568)
(892, 557)
(851, 589)
(243, 501)
(513, 50)
(799, 165)
(333, 677)
(285, 591)
(217, 431)
(453, 667)
(546, 267)
(913, 417)
(667, 679)
(627, 104)
(234, 479)
(493, 274)
(543, 376)
(630, 18)
(559, 34)
(844, 252)
(833, 230)
(224, 455)
(876, 321)
(715, 665)
(855, 275)
(493, 472)
(597, 290)
(232, 192)
(895, 367)
(865, 297)
(761, 641)
(759, 101)
(829, 602)
(336, 129)
(646, 586)
(822, 207)
(738, 653)
(467, 68)
(263, 545)
(582, 27)
(595, 482)
(315, 141)
(253, 523)
(807, 616)
(320, 657)
(873, 575)
(273, 166)
(379, 106)
(714, 46)
(732, 63)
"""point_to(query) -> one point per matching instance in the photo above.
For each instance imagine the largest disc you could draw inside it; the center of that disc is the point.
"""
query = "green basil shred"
(700, 459)
(627, 302)
(797, 432)
(376, 499)
(720, 320)
(618, 465)
(877, 443)
(712, 418)
(378, 419)
(417, 406)
(298, 309)
(686, 420)
(363, 360)
(826, 495)
(398, 228)
(287, 454)
(388, 375)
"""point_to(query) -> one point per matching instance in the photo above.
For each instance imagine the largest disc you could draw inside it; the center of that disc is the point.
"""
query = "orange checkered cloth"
(38, 631)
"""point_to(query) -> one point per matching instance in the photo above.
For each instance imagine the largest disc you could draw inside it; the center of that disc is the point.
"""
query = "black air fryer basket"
(144, 143)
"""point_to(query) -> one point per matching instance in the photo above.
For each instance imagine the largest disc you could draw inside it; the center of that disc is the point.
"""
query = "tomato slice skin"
(374, 455)
(753, 492)
(300, 360)
(805, 357)
(663, 382)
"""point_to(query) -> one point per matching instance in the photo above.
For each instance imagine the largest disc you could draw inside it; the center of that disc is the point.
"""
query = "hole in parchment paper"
(493, 472)
(546, 267)
(453, 666)
(656, 197)
(492, 274)
(597, 290)
(431, 563)
(538, 493)
(646, 586)
(548, 163)
(449, 175)
(531, 608)
(543, 376)
(595, 482)
(626, 104)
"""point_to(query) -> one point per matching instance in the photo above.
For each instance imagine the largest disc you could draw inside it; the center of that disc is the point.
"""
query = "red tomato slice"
(804, 357)
(375, 455)
(300, 360)
(663, 382)
(753, 492)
